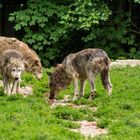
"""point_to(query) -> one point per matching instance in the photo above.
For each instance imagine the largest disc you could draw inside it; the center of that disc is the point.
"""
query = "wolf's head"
(58, 80)
(15, 67)
(35, 67)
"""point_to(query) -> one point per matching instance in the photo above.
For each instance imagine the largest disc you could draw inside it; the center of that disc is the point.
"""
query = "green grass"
(32, 118)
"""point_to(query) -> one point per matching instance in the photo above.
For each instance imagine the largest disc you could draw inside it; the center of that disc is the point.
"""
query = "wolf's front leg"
(75, 89)
(6, 86)
(14, 86)
(18, 86)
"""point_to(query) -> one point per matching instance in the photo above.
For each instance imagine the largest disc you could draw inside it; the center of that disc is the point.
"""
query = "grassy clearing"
(31, 118)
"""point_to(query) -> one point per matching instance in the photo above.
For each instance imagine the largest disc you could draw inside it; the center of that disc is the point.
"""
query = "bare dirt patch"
(25, 91)
(66, 102)
(89, 129)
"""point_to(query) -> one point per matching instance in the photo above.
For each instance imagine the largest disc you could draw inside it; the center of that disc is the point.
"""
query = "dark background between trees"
(56, 28)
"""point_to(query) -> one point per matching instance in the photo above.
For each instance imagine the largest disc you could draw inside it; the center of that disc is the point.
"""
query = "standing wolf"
(12, 65)
(33, 64)
(83, 65)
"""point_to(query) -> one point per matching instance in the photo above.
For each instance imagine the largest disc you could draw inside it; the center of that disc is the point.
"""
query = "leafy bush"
(114, 36)
(49, 26)
(137, 1)
(57, 28)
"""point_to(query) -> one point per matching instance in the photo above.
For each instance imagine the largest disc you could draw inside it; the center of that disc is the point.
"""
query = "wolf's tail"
(105, 74)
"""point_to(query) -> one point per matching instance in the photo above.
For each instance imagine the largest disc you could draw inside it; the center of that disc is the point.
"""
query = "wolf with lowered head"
(82, 65)
(12, 66)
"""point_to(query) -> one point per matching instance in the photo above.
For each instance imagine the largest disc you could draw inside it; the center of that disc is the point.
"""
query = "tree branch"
(134, 31)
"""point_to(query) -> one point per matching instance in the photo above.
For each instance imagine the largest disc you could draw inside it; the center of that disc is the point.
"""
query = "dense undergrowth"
(32, 118)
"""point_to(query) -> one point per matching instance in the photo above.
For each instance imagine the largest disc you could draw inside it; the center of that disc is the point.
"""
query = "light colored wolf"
(33, 64)
(83, 65)
(12, 66)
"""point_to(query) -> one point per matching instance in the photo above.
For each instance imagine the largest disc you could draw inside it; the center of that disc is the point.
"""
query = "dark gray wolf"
(82, 65)
(12, 66)
(33, 64)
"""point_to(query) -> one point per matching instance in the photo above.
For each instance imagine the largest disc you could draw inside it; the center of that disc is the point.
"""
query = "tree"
(56, 28)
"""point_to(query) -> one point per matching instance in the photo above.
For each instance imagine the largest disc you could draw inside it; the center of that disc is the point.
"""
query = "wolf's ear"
(59, 65)
(49, 73)
(6, 61)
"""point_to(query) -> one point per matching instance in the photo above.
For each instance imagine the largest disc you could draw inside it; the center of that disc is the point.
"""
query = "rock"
(125, 63)
(26, 90)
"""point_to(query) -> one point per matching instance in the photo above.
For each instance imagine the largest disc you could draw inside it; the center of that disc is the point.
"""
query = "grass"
(32, 118)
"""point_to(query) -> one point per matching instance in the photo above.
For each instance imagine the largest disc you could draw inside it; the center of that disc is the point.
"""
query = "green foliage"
(28, 118)
(39, 86)
(114, 36)
(67, 113)
(57, 28)
(85, 13)
(49, 25)
(137, 1)
(40, 21)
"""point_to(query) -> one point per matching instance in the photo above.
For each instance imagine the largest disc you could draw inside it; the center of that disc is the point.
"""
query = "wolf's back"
(79, 63)
(85, 56)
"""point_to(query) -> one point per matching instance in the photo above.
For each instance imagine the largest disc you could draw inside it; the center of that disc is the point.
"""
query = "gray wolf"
(82, 65)
(33, 64)
(12, 66)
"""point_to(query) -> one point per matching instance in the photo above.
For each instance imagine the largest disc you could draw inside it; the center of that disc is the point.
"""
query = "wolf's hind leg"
(106, 80)
(92, 94)
(91, 78)
(6, 86)
(18, 86)
(82, 87)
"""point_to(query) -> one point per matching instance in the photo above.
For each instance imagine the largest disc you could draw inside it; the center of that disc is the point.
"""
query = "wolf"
(12, 66)
(82, 65)
(33, 64)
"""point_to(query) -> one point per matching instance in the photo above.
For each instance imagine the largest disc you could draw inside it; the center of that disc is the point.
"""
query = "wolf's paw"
(91, 96)
(110, 92)
(75, 98)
